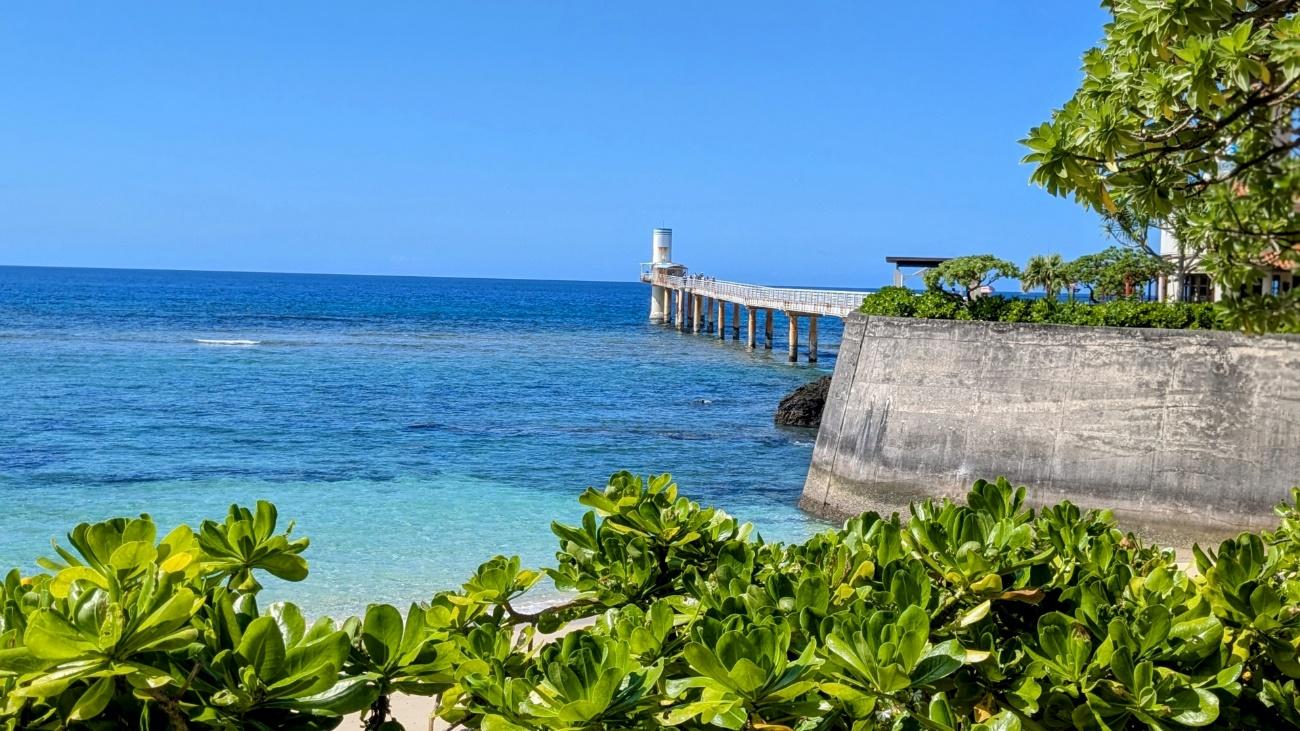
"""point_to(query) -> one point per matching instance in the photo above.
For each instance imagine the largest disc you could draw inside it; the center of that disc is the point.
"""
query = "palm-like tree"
(1045, 272)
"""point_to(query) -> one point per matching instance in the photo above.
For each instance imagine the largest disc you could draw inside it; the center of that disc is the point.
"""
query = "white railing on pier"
(835, 303)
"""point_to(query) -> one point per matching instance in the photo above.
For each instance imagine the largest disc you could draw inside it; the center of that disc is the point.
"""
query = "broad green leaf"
(94, 700)
(262, 648)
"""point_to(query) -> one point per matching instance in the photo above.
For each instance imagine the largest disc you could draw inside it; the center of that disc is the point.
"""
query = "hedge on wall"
(902, 302)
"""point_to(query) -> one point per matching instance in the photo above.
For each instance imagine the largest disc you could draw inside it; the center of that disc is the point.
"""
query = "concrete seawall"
(1185, 434)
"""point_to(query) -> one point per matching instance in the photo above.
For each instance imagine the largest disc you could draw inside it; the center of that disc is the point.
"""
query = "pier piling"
(722, 320)
(750, 335)
(767, 328)
(812, 338)
(793, 355)
(735, 321)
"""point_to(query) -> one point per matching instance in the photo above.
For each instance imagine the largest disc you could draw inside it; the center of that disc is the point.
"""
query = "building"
(912, 266)
(1190, 283)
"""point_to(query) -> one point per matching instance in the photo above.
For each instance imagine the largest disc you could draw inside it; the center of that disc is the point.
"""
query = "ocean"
(412, 427)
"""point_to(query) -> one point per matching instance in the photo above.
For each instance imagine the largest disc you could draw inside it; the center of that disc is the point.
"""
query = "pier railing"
(835, 303)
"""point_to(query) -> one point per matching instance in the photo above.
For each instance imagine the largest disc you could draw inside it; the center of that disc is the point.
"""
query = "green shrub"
(982, 616)
(890, 302)
(932, 304)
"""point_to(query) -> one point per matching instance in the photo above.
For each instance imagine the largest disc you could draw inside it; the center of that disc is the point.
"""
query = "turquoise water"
(411, 426)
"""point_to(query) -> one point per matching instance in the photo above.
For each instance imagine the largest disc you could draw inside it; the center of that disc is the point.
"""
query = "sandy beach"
(414, 713)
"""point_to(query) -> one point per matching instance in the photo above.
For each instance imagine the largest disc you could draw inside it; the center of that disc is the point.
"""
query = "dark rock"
(803, 407)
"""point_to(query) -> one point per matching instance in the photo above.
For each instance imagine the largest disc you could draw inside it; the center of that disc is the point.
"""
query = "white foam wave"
(210, 341)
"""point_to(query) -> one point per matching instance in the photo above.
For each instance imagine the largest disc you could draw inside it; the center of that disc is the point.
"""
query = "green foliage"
(246, 542)
(1115, 272)
(1185, 120)
(900, 302)
(129, 631)
(969, 274)
(1048, 273)
(977, 616)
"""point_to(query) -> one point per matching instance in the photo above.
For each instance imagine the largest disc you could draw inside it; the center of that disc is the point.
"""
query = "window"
(1197, 288)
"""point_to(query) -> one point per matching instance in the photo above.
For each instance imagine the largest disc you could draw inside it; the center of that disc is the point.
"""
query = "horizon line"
(299, 273)
(395, 276)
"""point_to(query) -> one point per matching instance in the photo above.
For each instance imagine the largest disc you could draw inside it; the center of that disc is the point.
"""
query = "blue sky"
(793, 143)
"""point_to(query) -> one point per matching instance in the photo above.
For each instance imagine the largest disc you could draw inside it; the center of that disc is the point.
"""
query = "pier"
(704, 305)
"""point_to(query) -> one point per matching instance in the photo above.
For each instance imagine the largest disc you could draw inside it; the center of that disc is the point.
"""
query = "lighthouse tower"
(661, 257)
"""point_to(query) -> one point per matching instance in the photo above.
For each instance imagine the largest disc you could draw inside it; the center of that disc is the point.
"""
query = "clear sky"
(792, 143)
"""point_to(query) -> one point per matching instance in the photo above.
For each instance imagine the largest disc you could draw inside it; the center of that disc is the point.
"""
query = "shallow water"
(413, 427)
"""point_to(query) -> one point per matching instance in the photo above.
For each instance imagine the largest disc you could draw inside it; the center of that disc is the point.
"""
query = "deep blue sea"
(413, 427)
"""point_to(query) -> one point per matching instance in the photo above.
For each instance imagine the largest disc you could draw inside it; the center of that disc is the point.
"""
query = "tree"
(1115, 272)
(1046, 272)
(1185, 120)
(969, 274)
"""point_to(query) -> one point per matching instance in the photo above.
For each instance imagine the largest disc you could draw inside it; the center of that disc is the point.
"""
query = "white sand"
(414, 713)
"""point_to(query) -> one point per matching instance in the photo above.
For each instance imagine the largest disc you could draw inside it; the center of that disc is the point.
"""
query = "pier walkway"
(699, 304)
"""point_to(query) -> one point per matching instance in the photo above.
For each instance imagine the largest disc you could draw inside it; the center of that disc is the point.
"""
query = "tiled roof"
(1274, 259)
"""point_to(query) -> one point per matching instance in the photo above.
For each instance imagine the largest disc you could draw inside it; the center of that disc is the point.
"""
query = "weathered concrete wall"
(1182, 433)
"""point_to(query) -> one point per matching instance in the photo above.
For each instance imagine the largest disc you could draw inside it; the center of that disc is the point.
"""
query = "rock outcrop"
(803, 407)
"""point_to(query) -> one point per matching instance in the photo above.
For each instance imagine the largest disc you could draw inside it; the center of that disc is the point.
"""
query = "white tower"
(662, 241)
(661, 252)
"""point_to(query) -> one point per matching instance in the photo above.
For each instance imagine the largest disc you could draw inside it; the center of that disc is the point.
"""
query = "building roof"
(1273, 259)
(916, 261)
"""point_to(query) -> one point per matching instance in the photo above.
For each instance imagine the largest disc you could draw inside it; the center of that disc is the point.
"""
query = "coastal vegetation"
(969, 275)
(982, 615)
(1186, 121)
(1116, 272)
(1113, 282)
(939, 305)
(1049, 273)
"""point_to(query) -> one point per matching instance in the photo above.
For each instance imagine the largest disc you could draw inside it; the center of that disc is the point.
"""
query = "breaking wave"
(213, 341)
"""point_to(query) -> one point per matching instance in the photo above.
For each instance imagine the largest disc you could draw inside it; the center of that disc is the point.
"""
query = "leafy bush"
(893, 302)
(940, 306)
(901, 302)
(981, 616)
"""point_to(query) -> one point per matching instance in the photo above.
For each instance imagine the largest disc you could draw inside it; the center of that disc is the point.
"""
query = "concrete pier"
(701, 303)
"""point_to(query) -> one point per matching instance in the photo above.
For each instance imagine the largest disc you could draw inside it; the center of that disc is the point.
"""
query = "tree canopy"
(970, 274)
(1185, 120)
(1115, 272)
